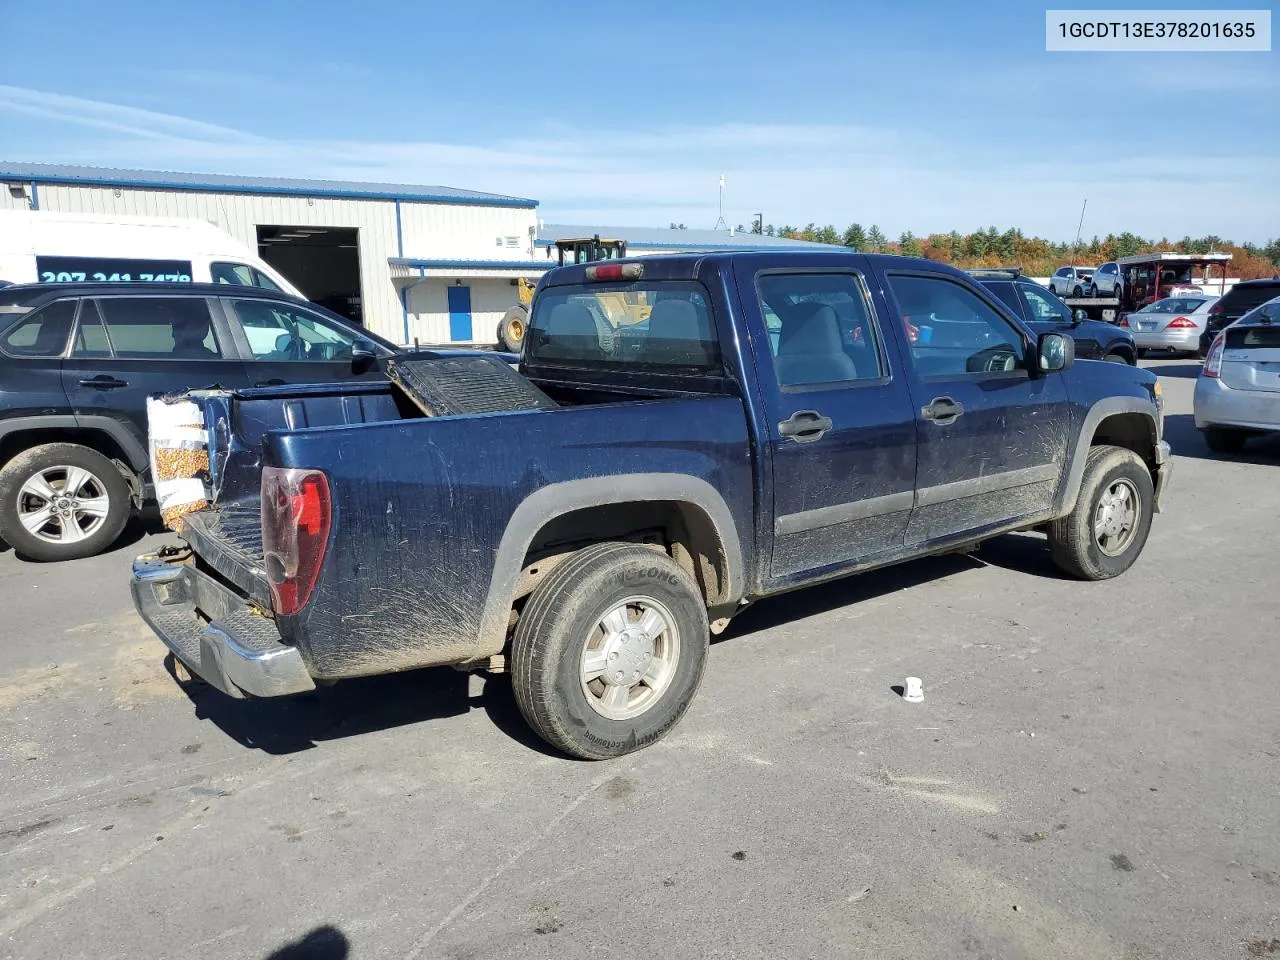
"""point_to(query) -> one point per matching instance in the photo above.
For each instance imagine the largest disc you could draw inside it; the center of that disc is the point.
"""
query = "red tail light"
(1213, 360)
(1123, 321)
(1181, 323)
(1218, 310)
(296, 517)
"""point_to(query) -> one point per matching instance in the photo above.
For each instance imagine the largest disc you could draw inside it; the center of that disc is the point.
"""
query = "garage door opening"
(322, 262)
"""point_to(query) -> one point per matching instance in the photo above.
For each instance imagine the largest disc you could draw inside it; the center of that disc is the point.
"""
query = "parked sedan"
(1174, 323)
(1238, 392)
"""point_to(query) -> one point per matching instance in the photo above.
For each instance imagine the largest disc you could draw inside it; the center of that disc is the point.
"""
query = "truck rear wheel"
(1106, 530)
(62, 501)
(609, 651)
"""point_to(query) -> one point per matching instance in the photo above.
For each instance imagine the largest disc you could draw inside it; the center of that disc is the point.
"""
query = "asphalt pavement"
(1094, 773)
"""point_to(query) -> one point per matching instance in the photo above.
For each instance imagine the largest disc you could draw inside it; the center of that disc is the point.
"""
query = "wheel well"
(15, 443)
(682, 530)
(1133, 431)
(1123, 350)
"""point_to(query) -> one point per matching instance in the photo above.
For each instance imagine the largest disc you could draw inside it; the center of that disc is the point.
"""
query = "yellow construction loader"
(619, 307)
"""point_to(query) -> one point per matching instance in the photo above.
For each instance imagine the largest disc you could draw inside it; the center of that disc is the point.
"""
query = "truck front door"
(992, 437)
(841, 430)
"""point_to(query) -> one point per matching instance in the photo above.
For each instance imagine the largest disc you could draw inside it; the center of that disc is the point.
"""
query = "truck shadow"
(1023, 553)
(360, 706)
(1186, 441)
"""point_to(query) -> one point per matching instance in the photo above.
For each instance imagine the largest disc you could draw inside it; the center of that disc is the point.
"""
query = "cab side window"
(820, 329)
(952, 331)
(1043, 307)
(42, 333)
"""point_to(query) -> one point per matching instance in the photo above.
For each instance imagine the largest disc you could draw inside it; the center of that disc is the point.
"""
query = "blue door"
(460, 314)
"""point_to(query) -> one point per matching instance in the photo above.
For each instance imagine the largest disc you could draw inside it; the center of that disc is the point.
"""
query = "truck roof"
(688, 266)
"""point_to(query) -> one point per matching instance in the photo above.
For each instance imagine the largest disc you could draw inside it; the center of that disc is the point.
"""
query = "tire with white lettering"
(609, 650)
(1106, 530)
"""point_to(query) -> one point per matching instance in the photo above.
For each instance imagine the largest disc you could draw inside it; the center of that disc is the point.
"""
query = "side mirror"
(1079, 315)
(1054, 352)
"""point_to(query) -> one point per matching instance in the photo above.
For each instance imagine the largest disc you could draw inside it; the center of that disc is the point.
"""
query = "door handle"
(104, 383)
(942, 411)
(805, 426)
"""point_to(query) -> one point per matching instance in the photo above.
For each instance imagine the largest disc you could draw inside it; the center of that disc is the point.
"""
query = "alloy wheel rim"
(1115, 520)
(63, 504)
(630, 658)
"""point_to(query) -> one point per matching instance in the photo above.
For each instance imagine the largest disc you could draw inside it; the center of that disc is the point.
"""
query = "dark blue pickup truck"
(694, 433)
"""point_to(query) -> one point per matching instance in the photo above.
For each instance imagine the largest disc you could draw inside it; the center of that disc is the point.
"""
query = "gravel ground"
(1093, 773)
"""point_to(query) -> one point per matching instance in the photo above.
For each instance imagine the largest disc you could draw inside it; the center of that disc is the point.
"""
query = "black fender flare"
(1077, 455)
(135, 451)
(557, 499)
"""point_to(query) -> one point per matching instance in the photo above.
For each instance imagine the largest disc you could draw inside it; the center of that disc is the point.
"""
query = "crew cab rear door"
(841, 432)
(992, 437)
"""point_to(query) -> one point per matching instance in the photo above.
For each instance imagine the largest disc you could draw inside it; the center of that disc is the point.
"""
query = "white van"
(45, 247)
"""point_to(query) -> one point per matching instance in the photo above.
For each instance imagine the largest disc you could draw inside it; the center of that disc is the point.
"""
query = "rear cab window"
(658, 326)
(820, 329)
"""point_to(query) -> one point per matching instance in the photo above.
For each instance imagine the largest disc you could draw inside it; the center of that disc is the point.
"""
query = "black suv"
(1234, 304)
(1043, 312)
(78, 361)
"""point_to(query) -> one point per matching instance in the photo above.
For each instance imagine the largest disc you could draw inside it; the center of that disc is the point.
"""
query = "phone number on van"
(78, 277)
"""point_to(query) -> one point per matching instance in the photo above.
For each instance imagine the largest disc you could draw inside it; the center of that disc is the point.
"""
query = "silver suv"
(1071, 281)
(1105, 281)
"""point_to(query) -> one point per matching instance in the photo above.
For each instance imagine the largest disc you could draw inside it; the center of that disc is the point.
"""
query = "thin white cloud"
(793, 173)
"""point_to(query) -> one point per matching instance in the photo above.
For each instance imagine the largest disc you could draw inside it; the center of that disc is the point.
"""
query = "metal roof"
(657, 238)
(1172, 257)
(50, 173)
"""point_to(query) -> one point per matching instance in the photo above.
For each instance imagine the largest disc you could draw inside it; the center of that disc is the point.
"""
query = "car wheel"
(609, 650)
(62, 501)
(1106, 530)
(1117, 357)
(515, 323)
(1076, 291)
(1224, 439)
(1093, 290)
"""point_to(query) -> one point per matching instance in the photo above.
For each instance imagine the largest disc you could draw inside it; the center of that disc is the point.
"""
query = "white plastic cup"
(913, 690)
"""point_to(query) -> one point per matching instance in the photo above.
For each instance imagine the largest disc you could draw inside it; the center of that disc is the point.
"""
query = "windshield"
(1173, 305)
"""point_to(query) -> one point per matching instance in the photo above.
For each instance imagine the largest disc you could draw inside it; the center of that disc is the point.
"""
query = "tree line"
(1036, 256)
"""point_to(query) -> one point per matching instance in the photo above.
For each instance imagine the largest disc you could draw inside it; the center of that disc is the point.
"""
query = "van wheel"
(609, 651)
(62, 501)
(1106, 530)
(515, 323)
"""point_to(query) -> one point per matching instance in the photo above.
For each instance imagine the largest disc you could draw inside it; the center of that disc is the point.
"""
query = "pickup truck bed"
(724, 428)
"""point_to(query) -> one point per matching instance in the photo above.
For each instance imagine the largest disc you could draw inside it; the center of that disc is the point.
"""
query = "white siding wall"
(429, 230)
(429, 308)
(437, 231)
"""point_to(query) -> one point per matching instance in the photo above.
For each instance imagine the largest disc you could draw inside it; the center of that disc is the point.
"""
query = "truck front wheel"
(609, 651)
(1108, 527)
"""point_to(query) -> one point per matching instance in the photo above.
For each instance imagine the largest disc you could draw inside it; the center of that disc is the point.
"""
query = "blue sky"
(913, 116)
